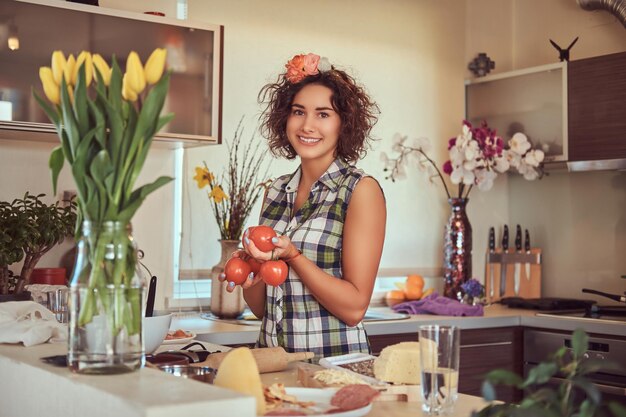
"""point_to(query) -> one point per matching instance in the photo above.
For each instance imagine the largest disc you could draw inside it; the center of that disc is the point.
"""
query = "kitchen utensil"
(492, 249)
(517, 265)
(199, 373)
(616, 297)
(503, 268)
(271, 359)
(151, 296)
(527, 249)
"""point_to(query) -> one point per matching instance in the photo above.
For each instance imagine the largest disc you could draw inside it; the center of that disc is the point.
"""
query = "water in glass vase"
(439, 390)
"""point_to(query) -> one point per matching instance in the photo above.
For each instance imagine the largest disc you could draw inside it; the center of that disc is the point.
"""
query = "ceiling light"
(13, 41)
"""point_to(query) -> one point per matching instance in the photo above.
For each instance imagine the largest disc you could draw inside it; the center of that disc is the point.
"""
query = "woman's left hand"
(283, 248)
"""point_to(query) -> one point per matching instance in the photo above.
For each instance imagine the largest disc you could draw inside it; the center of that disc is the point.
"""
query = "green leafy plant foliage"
(546, 400)
(29, 228)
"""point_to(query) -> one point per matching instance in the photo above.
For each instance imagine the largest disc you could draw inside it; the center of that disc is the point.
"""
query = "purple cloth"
(438, 305)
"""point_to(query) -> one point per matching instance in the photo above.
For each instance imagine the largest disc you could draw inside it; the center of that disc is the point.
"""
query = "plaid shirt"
(293, 317)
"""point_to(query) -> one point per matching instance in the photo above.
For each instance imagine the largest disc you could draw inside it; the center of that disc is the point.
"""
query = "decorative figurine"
(563, 53)
(481, 65)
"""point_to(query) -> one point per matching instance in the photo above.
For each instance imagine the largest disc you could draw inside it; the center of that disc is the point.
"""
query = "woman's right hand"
(250, 281)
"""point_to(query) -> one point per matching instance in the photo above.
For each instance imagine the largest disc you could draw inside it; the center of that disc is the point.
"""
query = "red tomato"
(237, 270)
(254, 265)
(244, 234)
(262, 237)
(274, 272)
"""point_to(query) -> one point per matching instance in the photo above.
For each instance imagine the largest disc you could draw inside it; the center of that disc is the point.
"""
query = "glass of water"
(439, 360)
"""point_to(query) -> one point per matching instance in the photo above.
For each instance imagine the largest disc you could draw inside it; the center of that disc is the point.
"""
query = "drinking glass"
(57, 303)
(439, 360)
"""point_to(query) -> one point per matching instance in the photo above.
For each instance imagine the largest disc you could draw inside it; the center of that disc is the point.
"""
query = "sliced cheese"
(239, 372)
(399, 363)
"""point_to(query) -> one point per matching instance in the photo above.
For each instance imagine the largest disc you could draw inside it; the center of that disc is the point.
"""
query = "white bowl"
(154, 331)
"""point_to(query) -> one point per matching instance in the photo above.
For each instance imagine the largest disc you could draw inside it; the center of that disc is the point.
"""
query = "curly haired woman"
(329, 215)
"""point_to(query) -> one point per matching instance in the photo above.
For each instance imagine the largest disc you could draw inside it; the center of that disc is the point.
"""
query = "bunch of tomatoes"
(273, 272)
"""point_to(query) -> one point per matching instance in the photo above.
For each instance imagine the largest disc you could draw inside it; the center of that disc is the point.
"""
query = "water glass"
(439, 361)
(56, 301)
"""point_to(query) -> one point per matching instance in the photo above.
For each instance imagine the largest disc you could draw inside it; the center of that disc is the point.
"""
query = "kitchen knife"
(151, 295)
(527, 249)
(518, 266)
(505, 249)
(492, 249)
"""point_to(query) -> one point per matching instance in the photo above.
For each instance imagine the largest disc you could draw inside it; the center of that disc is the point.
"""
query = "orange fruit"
(414, 287)
(394, 297)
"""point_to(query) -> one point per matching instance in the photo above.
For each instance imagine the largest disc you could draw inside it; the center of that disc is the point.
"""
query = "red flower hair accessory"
(301, 66)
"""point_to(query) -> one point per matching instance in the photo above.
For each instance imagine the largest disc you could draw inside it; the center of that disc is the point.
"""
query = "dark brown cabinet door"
(482, 350)
(597, 108)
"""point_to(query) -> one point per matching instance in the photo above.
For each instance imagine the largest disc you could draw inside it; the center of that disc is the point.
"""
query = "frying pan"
(616, 297)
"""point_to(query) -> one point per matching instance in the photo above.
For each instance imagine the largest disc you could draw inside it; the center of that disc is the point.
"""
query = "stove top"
(594, 312)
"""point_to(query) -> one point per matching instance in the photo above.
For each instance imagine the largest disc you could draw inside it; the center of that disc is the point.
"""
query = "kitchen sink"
(372, 314)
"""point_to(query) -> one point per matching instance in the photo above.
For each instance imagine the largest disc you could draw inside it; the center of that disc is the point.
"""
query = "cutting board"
(529, 285)
(272, 359)
(388, 392)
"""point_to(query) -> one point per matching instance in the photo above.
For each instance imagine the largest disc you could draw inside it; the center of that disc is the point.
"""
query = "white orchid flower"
(519, 143)
(472, 151)
(421, 143)
(501, 164)
(484, 179)
(534, 157)
(397, 142)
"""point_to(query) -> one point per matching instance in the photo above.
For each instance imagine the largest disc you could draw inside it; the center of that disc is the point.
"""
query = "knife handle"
(492, 239)
(518, 238)
(505, 238)
(151, 297)
(527, 241)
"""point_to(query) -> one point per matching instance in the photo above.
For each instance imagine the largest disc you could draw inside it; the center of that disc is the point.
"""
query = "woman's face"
(313, 126)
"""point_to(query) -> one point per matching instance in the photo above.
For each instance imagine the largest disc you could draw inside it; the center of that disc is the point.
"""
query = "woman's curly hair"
(357, 111)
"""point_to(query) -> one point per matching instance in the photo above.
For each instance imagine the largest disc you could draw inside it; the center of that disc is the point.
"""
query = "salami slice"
(354, 396)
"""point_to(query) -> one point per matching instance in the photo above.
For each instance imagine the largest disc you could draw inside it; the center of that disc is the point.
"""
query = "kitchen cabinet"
(482, 350)
(596, 110)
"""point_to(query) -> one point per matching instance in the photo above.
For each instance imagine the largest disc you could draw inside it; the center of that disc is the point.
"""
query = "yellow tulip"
(128, 93)
(154, 65)
(84, 58)
(70, 93)
(50, 88)
(103, 67)
(134, 73)
(58, 65)
(68, 71)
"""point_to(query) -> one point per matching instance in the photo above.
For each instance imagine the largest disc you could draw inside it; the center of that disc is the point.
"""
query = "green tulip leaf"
(138, 196)
(49, 110)
(56, 164)
(80, 106)
(100, 128)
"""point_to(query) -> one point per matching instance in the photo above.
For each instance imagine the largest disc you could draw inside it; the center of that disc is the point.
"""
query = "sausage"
(354, 396)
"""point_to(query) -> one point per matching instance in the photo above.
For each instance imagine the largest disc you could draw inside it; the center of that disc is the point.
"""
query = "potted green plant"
(547, 400)
(28, 229)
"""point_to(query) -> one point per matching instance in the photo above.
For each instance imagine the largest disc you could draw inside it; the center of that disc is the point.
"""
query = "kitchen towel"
(29, 323)
(438, 305)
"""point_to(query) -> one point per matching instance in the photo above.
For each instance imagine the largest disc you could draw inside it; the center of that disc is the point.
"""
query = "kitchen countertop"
(496, 315)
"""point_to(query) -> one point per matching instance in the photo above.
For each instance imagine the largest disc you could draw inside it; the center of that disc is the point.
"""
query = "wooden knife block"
(529, 286)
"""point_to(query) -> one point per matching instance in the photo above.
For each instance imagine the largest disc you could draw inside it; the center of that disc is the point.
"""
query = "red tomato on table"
(274, 272)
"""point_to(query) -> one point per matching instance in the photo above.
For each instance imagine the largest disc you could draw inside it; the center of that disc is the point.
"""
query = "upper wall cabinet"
(194, 54)
(574, 111)
(597, 112)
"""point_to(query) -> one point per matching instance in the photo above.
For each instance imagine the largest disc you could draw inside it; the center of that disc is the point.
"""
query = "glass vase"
(225, 304)
(457, 250)
(105, 302)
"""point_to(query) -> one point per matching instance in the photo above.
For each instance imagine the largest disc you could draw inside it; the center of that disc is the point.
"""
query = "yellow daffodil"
(68, 70)
(134, 73)
(101, 65)
(58, 65)
(83, 58)
(218, 194)
(155, 65)
(203, 177)
(128, 93)
(50, 88)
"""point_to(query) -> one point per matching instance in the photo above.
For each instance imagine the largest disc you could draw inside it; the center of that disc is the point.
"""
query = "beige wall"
(412, 57)
(579, 219)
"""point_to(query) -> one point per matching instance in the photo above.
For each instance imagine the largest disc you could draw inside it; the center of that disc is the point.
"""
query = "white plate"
(322, 399)
(180, 340)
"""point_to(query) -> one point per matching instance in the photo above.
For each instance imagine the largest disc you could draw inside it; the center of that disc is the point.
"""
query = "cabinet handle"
(609, 389)
(487, 344)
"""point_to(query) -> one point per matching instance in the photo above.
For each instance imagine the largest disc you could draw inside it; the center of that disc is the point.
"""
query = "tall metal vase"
(223, 303)
(457, 255)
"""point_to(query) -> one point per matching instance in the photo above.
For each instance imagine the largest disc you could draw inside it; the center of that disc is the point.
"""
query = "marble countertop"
(496, 315)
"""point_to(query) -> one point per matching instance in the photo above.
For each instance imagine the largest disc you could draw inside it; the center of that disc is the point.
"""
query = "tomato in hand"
(274, 272)
(254, 265)
(243, 237)
(262, 237)
(237, 270)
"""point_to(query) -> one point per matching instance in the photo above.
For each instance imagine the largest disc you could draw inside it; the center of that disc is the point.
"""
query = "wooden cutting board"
(388, 392)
